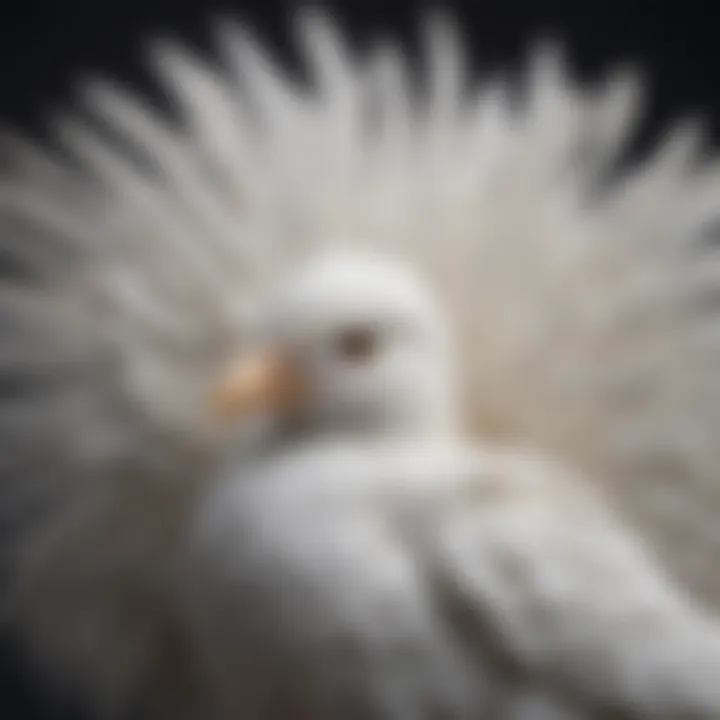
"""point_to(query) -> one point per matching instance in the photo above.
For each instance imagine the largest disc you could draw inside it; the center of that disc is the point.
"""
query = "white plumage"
(586, 319)
(365, 561)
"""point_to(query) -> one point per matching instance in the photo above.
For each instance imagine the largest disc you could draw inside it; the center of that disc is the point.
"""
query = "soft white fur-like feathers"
(587, 310)
(382, 580)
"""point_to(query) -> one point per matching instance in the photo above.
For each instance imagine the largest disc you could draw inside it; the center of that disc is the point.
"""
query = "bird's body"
(346, 579)
(146, 568)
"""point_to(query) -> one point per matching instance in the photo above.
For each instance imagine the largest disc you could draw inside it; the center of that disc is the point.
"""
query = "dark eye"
(358, 343)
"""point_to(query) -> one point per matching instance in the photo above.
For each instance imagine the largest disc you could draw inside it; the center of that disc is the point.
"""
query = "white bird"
(363, 561)
(586, 335)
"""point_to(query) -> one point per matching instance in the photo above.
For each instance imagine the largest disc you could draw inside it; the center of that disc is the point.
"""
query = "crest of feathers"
(587, 306)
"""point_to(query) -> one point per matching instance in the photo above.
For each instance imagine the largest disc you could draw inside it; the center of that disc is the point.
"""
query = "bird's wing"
(494, 586)
(543, 583)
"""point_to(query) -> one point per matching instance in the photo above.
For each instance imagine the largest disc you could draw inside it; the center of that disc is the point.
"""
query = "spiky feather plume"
(587, 309)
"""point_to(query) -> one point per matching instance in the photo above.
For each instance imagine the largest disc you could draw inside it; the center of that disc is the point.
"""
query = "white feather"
(588, 321)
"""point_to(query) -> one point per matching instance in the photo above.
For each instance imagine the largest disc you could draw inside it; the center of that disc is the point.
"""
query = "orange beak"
(266, 381)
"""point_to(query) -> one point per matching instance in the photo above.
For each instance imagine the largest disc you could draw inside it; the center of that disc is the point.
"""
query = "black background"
(44, 47)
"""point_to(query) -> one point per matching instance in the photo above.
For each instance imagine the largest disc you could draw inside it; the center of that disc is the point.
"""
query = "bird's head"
(347, 344)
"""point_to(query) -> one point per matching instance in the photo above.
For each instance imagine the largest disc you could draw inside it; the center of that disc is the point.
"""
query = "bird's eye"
(358, 344)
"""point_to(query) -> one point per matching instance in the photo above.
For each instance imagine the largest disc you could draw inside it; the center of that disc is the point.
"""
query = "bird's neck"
(297, 433)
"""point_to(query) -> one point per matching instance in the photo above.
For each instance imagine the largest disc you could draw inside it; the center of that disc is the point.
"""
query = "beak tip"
(265, 381)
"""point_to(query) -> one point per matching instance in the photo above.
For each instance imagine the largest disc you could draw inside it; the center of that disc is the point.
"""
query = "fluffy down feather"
(587, 309)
